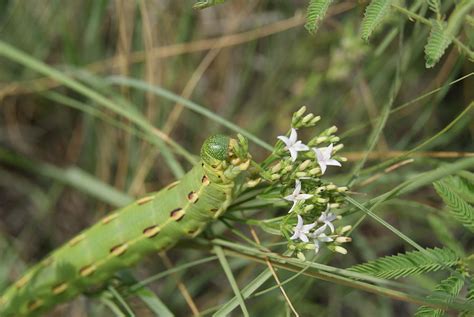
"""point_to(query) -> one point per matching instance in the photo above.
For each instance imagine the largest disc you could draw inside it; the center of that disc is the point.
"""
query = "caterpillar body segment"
(153, 223)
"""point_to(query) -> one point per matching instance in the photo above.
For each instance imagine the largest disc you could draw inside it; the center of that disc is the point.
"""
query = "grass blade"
(139, 84)
(228, 272)
(72, 176)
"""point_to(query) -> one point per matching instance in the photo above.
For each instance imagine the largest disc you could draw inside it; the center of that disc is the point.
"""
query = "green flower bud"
(300, 174)
(315, 120)
(337, 147)
(304, 165)
(340, 249)
(275, 176)
(331, 130)
(345, 229)
(343, 239)
(287, 169)
(276, 168)
(301, 256)
(300, 111)
(307, 118)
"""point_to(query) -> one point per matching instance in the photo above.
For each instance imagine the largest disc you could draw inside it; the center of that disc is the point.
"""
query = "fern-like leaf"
(458, 208)
(437, 43)
(464, 187)
(374, 14)
(207, 3)
(435, 6)
(315, 14)
(451, 287)
(469, 297)
(410, 263)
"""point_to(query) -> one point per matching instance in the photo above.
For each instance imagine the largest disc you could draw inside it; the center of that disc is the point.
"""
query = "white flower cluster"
(323, 154)
(303, 232)
(312, 199)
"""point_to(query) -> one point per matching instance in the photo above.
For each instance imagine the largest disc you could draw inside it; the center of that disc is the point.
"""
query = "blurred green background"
(250, 62)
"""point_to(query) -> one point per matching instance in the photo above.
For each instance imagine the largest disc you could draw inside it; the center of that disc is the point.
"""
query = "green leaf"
(457, 207)
(374, 15)
(450, 286)
(438, 42)
(410, 263)
(315, 14)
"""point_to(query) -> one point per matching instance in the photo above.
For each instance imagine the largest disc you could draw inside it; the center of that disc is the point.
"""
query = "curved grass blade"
(154, 303)
(121, 301)
(134, 116)
(139, 84)
(72, 176)
(231, 278)
(75, 104)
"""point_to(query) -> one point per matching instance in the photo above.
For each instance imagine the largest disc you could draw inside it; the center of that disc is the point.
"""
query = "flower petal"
(324, 238)
(300, 222)
(295, 235)
(333, 162)
(331, 226)
(303, 196)
(299, 146)
(318, 231)
(297, 187)
(284, 139)
(303, 237)
(323, 167)
(326, 151)
(293, 153)
(331, 217)
(329, 149)
(319, 154)
(293, 136)
(306, 228)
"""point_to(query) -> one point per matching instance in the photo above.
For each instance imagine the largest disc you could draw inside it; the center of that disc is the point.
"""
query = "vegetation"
(103, 102)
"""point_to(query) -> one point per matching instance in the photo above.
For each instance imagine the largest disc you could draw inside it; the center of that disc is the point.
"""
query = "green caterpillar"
(154, 223)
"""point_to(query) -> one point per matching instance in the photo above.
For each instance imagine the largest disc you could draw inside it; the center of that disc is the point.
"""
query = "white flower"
(323, 155)
(319, 236)
(301, 230)
(293, 145)
(295, 197)
(327, 218)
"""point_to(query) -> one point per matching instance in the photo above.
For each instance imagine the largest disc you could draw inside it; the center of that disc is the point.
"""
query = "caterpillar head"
(224, 155)
(215, 149)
